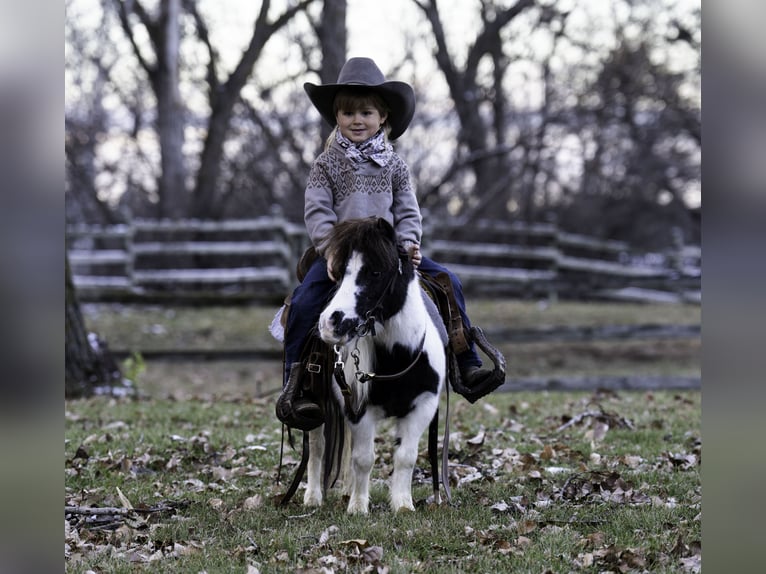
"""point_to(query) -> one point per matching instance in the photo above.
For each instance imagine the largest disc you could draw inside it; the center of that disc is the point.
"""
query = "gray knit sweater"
(339, 189)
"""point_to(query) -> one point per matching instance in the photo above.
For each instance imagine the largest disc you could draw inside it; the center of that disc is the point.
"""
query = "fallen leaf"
(373, 554)
(253, 502)
(526, 526)
(356, 541)
(523, 542)
(478, 440)
(501, 506)
(123, 499)
(548, 453)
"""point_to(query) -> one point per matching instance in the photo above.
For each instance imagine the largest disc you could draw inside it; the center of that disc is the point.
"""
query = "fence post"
(130, 254)
(553, 286)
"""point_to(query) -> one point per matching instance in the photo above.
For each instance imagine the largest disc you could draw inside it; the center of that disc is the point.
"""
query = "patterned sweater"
(339, 189)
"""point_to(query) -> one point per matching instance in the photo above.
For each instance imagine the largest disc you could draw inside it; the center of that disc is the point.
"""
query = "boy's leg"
(305, 306)
(469, 362)
(468, 359)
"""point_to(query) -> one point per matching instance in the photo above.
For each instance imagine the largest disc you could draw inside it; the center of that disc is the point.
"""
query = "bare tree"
(332, 33)
(162, 69)
(88, 365)
(224, 95)
(483, 140)
(643, 138)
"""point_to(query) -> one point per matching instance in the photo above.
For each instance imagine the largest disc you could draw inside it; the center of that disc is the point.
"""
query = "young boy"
(360, 175)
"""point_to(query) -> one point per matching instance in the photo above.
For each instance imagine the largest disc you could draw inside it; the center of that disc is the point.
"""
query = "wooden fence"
(254, 260)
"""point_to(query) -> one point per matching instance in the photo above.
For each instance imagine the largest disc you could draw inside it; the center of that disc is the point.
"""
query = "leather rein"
(363, 377)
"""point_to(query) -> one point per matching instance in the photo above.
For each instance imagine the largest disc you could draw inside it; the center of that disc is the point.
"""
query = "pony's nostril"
(340, 324)
(336, 319)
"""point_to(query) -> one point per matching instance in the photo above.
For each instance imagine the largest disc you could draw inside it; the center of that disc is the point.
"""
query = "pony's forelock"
(373, 237)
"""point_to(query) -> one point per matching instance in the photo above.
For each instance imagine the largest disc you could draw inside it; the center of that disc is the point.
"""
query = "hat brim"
(399, 96)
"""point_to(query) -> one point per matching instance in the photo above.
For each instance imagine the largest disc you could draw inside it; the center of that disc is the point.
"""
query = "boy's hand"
(415, 256)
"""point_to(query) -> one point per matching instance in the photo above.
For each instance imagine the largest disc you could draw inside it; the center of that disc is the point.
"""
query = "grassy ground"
(616, 490)
(541, 482)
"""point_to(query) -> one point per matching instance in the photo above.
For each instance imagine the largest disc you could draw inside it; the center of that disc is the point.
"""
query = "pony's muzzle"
(336, 328)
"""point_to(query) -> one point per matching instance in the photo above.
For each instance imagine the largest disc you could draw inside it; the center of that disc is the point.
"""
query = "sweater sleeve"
(407, 217)
(318, 212)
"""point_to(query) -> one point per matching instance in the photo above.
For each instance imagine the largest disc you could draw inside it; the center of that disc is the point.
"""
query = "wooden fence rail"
(254, 260)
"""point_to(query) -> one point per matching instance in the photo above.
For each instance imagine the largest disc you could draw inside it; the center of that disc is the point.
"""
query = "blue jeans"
(311, 296)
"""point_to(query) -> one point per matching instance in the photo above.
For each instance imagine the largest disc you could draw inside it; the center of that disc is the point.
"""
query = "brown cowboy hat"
(363, 72)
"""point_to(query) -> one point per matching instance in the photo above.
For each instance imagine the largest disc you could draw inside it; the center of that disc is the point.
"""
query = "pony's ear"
(386, 228)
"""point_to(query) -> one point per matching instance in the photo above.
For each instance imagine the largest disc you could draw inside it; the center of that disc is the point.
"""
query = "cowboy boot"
(296, 411)
(476, 382)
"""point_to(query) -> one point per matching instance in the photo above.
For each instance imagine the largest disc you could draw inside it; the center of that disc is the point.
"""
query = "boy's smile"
(359, 125)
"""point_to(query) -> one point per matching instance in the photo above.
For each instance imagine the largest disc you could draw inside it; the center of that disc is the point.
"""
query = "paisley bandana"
(375, 149)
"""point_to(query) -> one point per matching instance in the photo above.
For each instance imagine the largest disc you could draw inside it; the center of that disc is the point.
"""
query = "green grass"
(532, 491)
(532, 497)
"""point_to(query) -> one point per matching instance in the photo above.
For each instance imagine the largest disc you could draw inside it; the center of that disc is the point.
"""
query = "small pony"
(390, 343)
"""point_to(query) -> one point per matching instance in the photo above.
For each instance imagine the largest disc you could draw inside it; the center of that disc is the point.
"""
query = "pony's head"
(373, 276)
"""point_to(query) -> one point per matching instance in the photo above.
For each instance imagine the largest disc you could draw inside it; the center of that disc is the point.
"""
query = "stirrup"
(491, 381)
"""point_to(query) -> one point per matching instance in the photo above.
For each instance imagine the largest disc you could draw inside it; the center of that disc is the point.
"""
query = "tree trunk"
(490, 169)
(333, 37)
(170, 114)
(86, 367)
(223, 98)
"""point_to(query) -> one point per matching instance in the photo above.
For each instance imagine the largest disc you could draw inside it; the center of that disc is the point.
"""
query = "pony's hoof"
(404, 506)
(357, 507)
(312, 499)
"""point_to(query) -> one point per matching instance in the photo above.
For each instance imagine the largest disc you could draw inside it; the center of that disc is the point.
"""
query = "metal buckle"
(313, 368)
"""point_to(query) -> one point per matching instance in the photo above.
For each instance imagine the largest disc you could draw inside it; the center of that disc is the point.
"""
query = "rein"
(364, 377)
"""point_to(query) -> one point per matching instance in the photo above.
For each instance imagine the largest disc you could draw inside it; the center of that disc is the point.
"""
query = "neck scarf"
(375, 149)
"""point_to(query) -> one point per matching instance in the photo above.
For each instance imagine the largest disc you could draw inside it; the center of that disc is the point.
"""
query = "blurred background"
(581, 113)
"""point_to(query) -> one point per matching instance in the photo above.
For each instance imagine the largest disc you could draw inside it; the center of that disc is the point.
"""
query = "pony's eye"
(376, 273)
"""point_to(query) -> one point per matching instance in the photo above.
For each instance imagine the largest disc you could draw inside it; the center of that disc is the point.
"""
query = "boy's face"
(361, 124)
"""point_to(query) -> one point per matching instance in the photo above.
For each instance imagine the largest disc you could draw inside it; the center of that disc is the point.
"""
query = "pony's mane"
(372, 236)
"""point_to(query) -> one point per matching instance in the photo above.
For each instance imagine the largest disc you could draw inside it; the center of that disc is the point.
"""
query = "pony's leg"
(362, 457)
(313, 494)
(408, 432)
(346, 473)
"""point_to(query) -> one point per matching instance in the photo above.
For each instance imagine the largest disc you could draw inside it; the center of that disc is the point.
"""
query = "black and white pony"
(390, 342)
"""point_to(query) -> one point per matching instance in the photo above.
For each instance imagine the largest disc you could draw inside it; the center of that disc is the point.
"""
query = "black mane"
(373, 237)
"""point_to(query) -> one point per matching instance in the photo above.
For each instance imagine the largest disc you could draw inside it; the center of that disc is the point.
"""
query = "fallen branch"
(98, 510)
(112, 510)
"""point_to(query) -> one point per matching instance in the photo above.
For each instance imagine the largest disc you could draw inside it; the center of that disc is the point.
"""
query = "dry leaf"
(478, 440)
(523, 542)
(500, 507)
(123, 499)
(360, 542)
(253, 502)
(526, 526)
(373, 554)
